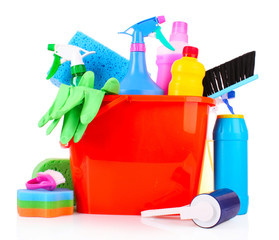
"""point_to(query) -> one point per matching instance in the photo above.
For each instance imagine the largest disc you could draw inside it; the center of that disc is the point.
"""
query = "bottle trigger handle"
(159, 35)
(55, 65)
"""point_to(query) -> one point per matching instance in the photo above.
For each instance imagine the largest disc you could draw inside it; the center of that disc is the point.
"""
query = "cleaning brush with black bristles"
(229, 75)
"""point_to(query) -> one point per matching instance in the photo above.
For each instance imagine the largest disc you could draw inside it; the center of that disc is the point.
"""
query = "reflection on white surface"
(85, 226)
(236, 228)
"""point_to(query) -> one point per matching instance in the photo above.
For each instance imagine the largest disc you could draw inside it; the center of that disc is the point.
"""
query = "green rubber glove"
(111, 86)
(77, 119)
(79, 106)
(61, 98)
(80, 109)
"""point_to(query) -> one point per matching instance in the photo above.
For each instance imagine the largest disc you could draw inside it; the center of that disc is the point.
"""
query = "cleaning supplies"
(206, 210)
(80, 104)
(105, 63)
(47, 180)
(165, 57)
(187, 74)
(43, 203)
(229, 75)
(146, 151)
(230, 137)
(220, 82)
(64, 53)
(137, 81)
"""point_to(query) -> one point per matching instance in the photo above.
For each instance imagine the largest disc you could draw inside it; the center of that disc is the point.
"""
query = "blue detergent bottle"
(230, 137)
(137, 81)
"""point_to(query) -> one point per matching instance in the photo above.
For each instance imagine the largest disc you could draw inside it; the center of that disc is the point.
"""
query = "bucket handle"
(112, 104)
(102, 110)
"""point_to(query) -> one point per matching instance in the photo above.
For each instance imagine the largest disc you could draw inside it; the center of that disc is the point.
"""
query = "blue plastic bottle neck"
(137, 63)
(137, 37)
(137, 81)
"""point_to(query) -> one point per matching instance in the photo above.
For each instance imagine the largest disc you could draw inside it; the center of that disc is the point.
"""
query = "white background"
(222, 30)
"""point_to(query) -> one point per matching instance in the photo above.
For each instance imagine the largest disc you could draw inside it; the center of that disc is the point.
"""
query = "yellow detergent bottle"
(187, 74)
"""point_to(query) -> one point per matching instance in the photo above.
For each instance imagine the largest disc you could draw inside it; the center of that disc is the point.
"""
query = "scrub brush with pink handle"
(47, 180)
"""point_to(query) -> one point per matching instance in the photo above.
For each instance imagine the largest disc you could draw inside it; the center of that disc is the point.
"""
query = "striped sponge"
(105, 63)
(43, 203)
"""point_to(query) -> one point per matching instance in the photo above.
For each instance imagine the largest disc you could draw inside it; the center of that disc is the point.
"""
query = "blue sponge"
(105, 63)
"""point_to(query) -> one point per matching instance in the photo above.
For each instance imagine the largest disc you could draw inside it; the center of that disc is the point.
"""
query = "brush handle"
(201, 211)
(45, 181)
(161, 212)
(166, 211)
(234, 86)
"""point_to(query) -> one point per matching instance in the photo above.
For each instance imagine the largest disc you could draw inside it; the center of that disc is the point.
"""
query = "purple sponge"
(105, 63)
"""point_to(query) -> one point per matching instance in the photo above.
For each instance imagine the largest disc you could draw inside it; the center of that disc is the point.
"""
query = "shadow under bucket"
(140, 152)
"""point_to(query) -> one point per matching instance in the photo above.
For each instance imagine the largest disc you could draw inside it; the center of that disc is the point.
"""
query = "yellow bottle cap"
(230, 116)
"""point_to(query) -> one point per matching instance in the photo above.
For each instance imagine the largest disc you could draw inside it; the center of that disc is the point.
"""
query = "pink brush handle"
(42, 180)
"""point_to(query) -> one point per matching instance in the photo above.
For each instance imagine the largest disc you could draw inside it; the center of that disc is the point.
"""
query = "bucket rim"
(163, 98)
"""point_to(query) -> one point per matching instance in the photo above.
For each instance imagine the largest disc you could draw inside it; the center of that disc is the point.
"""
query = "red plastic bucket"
(140, 152)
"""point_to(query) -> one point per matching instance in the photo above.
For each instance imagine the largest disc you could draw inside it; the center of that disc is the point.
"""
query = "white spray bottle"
(64, 53)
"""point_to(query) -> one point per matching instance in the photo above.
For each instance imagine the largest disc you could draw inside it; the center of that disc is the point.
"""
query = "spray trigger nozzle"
(225, 99)
(148, 27)
(137, 80)
(55, 65)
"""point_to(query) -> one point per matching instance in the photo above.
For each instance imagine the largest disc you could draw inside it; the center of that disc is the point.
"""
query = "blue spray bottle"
(137, 80)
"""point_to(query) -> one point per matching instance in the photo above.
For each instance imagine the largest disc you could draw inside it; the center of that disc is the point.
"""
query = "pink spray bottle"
(166, 57)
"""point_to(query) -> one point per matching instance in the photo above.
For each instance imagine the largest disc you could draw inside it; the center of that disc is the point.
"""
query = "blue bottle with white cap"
(206, 210)
(230, 137)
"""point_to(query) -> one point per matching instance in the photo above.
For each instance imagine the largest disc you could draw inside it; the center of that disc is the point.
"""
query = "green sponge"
(60, 165)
